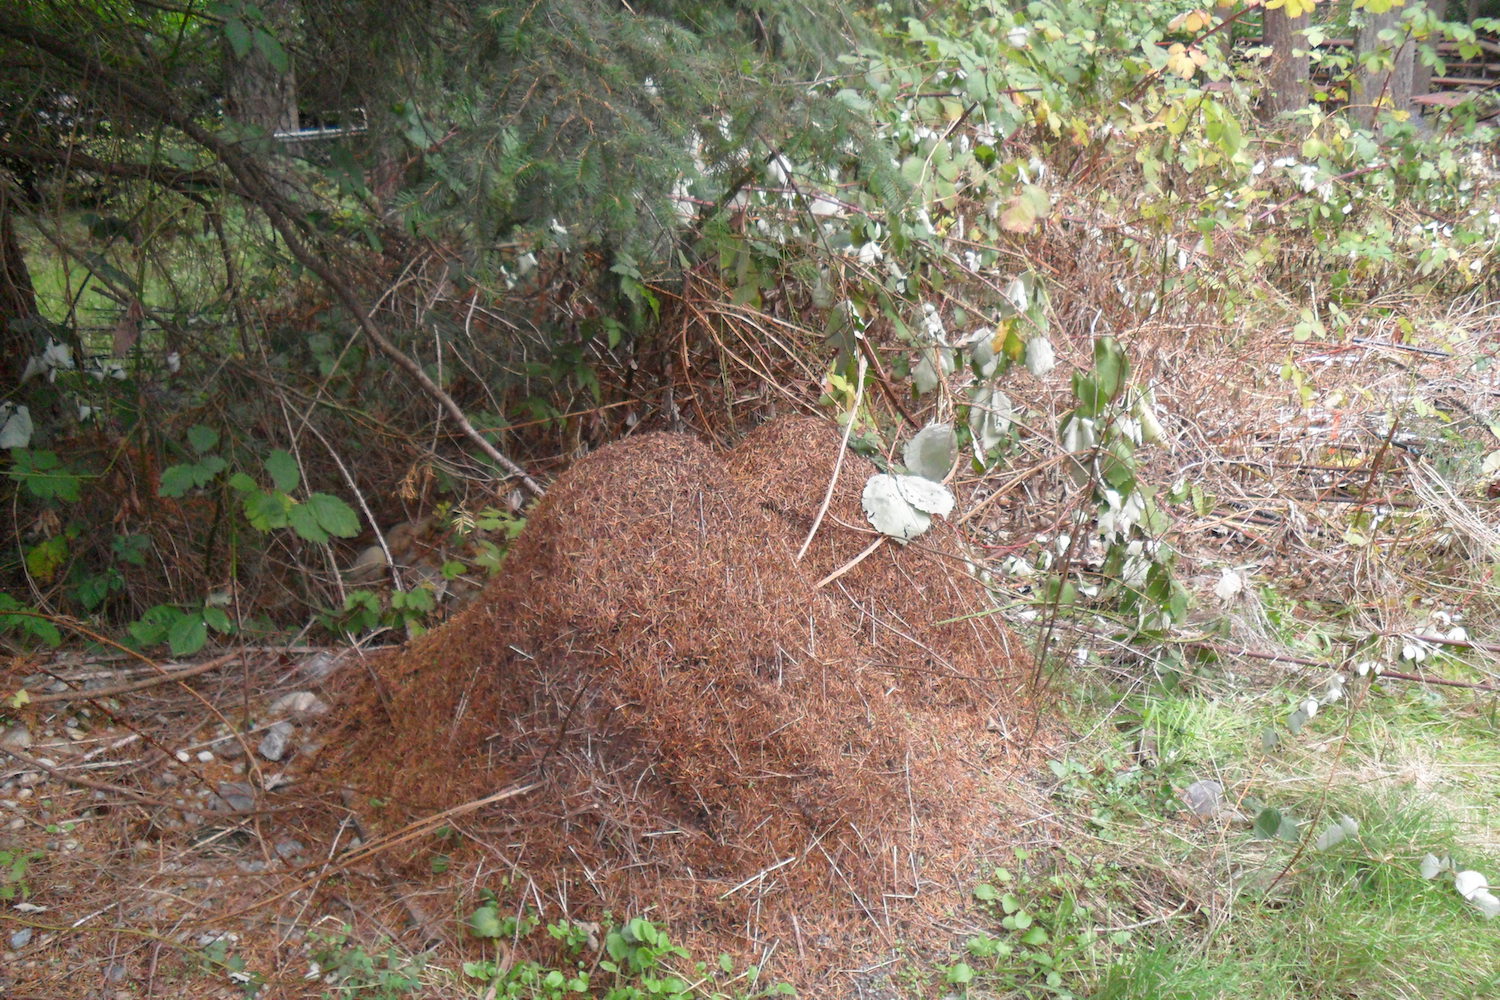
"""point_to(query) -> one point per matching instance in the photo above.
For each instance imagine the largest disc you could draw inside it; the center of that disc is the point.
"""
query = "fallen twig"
(1324, 664)
(140, 685)
(838, 463)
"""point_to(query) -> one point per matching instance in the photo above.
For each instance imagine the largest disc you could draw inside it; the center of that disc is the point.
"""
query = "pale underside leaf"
(926, 495)
(930, 451)
(889, 511)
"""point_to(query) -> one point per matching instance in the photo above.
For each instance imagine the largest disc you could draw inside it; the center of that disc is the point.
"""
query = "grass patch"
(1268, 918)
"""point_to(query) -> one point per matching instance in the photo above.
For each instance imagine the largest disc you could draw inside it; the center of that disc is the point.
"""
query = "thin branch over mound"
(717, 738)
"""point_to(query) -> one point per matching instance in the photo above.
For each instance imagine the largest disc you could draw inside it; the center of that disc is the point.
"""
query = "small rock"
(115, 973)
(75, 734)
(273, 745)
(237, 795)
(230, 747)
(320, 665)
(1204, 798)
(164, 779)
(289, 848)
(21, 938)
(298, 703)
(204, 756)
(182, 756)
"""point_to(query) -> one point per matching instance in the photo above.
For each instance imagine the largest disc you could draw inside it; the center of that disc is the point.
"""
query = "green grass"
(175, 272)
(1274, 919)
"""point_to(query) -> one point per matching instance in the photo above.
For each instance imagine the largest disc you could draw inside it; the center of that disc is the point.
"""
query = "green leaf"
(266, 44)
(986, 893)
(44, 475)
(238, 33)
(242, 483)
(1090, 395)
(266, 510)
(1268, 823)
(44, 559)
(202, 438)
(1111, 367)
(485, 922)
(187, 635)
(95, 588)
(218, 620)
(283, 469)
(152, 626)
(176, 480)
(305, 523)
(484, 970)
(32, 625)
(333, 515)
(961, 974)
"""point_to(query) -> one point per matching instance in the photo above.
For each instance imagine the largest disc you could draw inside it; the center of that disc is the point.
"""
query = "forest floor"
(169, 831)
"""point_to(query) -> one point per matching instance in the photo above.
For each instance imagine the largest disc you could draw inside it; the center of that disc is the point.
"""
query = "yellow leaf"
(1294, 8)
(1019, 215)
(18, 700)
(1005, 331)
(1191, 22)
(1184, 61)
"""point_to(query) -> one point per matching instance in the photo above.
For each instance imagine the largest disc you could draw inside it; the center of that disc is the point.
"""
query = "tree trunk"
(1288, 70)
(1388, 82)
(258, 93)
(18, 311)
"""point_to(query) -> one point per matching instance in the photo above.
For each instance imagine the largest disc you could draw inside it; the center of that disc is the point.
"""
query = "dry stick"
(838, 464)
(390, 560)
(256, 188)
(140, 685)
(336, 283)
(850, 564)
(213, 710)
(396, 838)
(98, 786)
(1304, 662)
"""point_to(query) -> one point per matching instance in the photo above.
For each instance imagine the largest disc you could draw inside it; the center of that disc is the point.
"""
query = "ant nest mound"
(708, 732)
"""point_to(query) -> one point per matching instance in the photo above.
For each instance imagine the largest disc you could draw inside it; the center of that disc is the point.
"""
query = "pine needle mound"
(714, 736)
